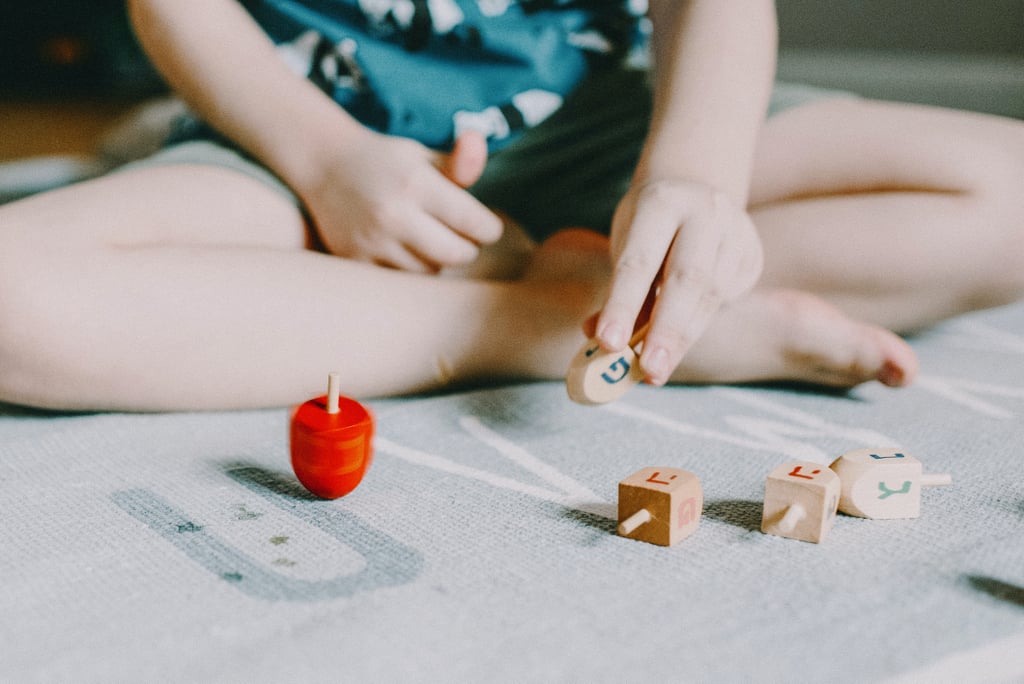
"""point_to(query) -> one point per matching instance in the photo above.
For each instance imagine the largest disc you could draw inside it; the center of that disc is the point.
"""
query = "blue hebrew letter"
(622, 364)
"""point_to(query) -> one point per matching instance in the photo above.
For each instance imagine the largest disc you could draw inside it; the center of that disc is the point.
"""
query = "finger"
(636, 269)
(659, 366)
(740, 260)
(590, 324)
(727, 271)
(687, 297)
(397, 257)
(466, 162)
(436, 244)
(464, 214)
(648, 307)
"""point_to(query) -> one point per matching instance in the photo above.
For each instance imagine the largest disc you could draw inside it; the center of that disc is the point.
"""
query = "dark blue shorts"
(570, 171)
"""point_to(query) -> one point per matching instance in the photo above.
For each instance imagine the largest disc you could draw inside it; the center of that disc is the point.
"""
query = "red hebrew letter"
(654, 479)
(796, 473)
(687, 511)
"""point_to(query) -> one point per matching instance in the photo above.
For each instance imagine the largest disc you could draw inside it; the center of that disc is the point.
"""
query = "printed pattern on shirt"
(433, 69)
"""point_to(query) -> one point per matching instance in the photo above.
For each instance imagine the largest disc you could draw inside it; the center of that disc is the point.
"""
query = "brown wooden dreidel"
(800, 500)
(597, 377)
(882, 483)
(660, 505)
(331, 440)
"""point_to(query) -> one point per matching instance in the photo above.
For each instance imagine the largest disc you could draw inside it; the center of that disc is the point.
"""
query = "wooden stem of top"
(333, 392)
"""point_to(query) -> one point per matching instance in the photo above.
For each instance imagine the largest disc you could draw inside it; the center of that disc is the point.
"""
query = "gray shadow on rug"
(254, 477)
(737, 512)
(998, 589)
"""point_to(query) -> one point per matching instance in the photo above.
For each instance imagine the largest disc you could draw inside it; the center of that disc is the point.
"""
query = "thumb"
(466, 162)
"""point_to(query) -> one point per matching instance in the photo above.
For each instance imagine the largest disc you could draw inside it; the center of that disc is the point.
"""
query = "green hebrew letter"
(886, 492)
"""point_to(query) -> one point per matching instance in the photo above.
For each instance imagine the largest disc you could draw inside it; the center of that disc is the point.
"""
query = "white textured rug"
(480, 548)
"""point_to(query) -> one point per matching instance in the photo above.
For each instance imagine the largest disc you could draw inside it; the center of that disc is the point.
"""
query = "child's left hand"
(690, 245)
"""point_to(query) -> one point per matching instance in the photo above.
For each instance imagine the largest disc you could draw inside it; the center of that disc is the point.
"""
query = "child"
(323, 237)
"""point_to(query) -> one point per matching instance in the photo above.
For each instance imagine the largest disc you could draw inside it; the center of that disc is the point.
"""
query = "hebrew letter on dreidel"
(688, 511)
(623, 370)
(795, 472)
(886, 492)
(653, 479)
(895, 454)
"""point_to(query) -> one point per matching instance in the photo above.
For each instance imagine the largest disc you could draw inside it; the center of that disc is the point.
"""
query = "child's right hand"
(371, 197)
(393, 202)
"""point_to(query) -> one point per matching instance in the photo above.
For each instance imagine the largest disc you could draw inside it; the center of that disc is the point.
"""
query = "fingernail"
(656, 366)
(891, 375)
(613, 335)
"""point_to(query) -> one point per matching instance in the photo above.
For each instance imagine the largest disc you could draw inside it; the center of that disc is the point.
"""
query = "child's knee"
(999, 199)
(31, 327)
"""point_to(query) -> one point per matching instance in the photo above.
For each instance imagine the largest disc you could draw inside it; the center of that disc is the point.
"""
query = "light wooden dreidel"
(597, 377)
(660, 505)
(800, 500)
(331, 440)
(882, 483)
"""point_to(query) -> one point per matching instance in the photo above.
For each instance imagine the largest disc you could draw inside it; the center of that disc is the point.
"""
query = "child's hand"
(694, 248)
(393, 202)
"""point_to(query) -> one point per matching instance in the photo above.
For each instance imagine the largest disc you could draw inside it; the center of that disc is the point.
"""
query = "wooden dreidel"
(597, 377)
(331, 442)
(660, 505)
(800, 500)
(882, 483)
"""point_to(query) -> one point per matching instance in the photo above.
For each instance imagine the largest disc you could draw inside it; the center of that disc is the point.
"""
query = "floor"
(30, 128)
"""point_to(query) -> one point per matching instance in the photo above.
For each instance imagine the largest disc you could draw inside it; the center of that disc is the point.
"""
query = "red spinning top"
(331, 443)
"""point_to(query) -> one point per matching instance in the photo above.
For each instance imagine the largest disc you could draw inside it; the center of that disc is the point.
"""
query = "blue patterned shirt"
(431, 69)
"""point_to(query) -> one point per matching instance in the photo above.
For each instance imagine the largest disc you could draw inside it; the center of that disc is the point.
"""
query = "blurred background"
(69, 69)
(958, 53)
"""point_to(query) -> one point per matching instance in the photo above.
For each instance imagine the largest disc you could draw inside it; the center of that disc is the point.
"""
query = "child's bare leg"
(187, 288)
(900, 215)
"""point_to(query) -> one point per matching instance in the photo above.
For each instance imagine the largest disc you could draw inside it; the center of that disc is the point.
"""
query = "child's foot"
(771, 334)
(575, 254)
(793, 335)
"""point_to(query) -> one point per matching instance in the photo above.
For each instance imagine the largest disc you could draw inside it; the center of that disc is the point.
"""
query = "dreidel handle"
(793, 515)
(639, 335)
(627, 526)
(936, 480)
